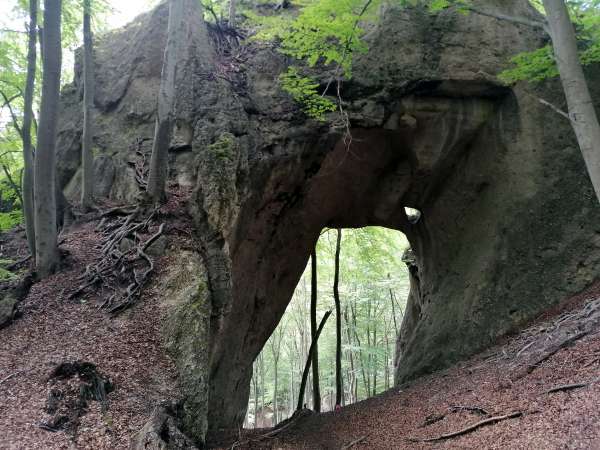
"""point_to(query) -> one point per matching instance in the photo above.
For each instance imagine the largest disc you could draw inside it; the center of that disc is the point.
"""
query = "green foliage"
(6, 274)
(537, 65)
(329, 33)
(370, 266)
(540, 64)
(10, 219)
(304, 90)
(223, 147)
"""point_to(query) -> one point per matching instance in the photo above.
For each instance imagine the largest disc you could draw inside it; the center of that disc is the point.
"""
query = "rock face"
(509, 224)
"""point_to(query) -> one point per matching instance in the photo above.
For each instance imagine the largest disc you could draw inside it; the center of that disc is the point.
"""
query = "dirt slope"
(506, 379)
(561, 348)
(54, 330)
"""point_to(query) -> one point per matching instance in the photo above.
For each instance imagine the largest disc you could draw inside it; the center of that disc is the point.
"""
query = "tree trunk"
(369, 347)
(47, 256)
(579, 101)
(255, 383)
(313, 331)
(352, 376)
(157, 177)
(27, 187)
(262, 389)
(87, 156)
(393, 309)
(311, 350)
(339, 389)
(275, 395)
(232, 5)
(374, 361)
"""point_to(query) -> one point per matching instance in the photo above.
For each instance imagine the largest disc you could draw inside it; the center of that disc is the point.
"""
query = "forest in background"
(373, 287)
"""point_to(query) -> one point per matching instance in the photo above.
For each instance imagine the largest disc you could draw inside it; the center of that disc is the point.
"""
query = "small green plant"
(329, 33)
(10, 220)
(223, 147)
(304, 90)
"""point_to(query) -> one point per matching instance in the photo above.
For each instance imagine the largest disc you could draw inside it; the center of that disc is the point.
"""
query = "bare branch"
(518, 20)
(470, 428)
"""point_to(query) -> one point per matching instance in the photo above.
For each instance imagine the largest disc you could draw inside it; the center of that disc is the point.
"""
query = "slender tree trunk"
(47, 256)
(262, 389)
(157, 177)
(393, 308)
(311, 351)
(28, 164)
(255, 382)
(275, 421)
(339, 388)
(87, 156)
(375, 361)
(369, 347)
(313, 331)
(361, 360)
(579, 101)
(232, 12)
(350, 356)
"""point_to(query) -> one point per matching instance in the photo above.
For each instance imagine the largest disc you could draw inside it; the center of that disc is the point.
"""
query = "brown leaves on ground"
(54, 330)
(481, 388)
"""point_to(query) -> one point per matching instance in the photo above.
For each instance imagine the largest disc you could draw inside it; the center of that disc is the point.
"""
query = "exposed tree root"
(570, 387)
(123, 266)
(470, 428)
(354, 442)
(475, 409)
(120, 270)
(12, 375)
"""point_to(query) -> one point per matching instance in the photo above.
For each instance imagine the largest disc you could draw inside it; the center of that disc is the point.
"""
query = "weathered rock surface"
(508, 226)
(162, 432)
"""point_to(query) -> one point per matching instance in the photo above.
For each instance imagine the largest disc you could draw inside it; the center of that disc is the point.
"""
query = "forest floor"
(54, 330)
(511, 379)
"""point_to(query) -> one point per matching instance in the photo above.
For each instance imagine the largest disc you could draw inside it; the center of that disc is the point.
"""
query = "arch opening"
(405, 178)
(373, 290)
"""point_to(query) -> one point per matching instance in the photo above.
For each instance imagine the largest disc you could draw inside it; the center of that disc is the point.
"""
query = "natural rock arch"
(509, 220)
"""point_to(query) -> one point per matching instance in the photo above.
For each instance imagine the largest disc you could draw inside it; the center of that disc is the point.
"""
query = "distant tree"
(311, 352)
(87, 156)
(232, 12)
(47, 256)
(339, 388)
(275, 344)
(313, 331)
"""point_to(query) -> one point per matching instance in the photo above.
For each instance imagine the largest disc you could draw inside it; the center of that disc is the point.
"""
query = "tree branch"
(469, 429)
(518, 20)
(12, 183)
(7, 103)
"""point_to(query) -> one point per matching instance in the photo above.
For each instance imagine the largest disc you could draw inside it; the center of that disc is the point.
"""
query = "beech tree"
(27, 188)
(581, 107)
(47, 256)
(87, 156)
(157, 177)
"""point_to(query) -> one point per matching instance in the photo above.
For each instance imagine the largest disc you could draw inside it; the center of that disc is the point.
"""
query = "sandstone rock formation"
(509, 224)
